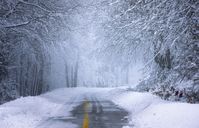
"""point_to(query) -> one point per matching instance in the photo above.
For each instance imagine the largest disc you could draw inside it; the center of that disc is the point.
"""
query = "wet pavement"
(93, 113)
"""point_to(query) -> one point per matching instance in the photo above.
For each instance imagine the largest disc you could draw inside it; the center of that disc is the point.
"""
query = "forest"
(147, 45)
(99, 63)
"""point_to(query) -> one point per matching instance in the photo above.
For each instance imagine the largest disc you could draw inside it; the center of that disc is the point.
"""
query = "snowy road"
(97, 108)
(90, 112)
(101, 114)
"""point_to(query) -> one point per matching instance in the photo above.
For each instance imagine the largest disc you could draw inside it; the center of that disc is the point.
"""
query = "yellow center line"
(86, 118)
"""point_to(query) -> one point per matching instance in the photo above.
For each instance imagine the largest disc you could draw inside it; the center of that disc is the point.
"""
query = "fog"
(51, 44)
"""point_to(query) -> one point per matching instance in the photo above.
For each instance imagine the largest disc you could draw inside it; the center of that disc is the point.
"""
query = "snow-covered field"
(146, 110)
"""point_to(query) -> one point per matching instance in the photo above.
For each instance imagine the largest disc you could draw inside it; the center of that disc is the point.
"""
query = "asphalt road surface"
(92, 113)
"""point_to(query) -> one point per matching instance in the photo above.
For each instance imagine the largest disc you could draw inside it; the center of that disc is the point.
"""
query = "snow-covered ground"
(149, 111)
(146, 110)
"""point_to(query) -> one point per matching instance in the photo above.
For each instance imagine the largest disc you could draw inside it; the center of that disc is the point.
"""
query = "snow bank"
(25, 112)
(149, 111)
(169, 115)
(29, 112)
(134, 102)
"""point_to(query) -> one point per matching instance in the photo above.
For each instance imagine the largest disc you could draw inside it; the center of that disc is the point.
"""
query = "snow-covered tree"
(28, 32)
(163, 32)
